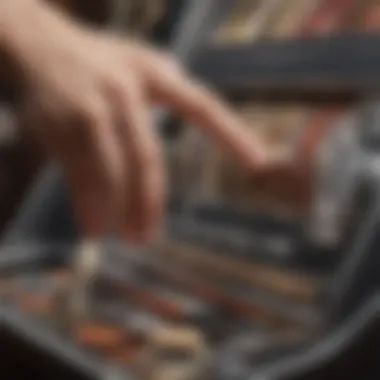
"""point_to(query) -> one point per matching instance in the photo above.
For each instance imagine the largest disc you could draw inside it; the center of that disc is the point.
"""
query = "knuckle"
(122, 88)
(204, 95)
(163, 61)
(113, 81)
(89, 112)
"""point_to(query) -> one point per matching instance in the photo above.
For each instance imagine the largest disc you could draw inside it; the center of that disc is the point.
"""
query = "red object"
(100, 336)
(371, 20)
(328, 18)
(318, 128)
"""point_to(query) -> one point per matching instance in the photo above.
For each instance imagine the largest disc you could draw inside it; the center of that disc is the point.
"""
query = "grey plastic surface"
(324, 350)
(338, 169)
(326, 63)
(357, 277)
(201, 18)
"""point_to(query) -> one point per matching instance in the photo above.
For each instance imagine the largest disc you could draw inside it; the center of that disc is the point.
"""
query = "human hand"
(89, 97)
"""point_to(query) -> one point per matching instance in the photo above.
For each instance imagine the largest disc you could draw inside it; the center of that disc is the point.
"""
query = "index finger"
(203, 108)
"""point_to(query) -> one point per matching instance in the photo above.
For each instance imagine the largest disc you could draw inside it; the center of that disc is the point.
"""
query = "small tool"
(86, 268)
(174, 353)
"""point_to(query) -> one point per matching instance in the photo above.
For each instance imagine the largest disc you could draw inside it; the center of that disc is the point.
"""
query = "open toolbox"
(225, 294)
(213, 299)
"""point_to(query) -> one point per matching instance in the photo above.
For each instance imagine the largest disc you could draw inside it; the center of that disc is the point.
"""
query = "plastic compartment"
(356, 272)
(35, 338)
(37, 335)
(349, 351)
(46, 218)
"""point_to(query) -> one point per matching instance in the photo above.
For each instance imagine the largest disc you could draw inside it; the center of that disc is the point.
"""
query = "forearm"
(13, 20)
(11, 12)
(25, 27)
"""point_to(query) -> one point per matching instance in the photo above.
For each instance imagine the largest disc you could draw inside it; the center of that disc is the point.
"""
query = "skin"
(89, 96)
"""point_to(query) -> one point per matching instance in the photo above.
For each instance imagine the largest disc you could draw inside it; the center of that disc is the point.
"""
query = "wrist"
(28, 30)
(15, 16)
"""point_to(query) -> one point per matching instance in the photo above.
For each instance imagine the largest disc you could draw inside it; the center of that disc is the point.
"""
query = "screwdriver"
(87, 263)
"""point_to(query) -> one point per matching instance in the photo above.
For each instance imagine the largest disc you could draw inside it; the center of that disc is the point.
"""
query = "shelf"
(341, 63)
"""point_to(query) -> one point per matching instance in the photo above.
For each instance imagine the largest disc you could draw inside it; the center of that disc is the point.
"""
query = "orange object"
(148, 300)
(99, 336)
(211, 293)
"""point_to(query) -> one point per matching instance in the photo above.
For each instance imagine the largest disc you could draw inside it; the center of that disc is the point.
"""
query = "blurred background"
(290, 250)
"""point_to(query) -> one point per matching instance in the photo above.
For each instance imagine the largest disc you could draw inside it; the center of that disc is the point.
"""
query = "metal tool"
(174, 353)
(291, 285)
(337, 166)
(86, 268)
